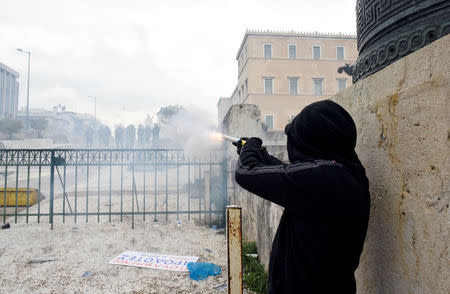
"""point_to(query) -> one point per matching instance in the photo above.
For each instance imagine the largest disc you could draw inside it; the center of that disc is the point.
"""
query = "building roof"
(292, 34)
(8, 69)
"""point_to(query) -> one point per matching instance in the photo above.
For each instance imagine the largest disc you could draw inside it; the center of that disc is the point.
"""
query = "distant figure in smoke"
(325, 194)
(89, 136)
(155, 139)
(119, 135)
(147, 135)
(104, 135)
(140, 135)
(130, 136)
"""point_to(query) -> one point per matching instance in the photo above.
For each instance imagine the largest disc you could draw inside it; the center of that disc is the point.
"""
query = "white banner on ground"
(154, 260)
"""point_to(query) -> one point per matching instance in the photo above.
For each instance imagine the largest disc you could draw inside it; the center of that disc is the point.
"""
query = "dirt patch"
(84, 247)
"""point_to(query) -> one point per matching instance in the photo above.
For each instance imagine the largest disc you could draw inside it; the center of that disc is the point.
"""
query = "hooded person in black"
(325, 194)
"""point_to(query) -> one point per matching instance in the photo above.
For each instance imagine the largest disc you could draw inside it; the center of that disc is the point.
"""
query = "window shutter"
(340, 53)
(292, 51)
(316, 50)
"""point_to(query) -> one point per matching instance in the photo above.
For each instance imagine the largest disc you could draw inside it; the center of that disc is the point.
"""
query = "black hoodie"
(325, 194)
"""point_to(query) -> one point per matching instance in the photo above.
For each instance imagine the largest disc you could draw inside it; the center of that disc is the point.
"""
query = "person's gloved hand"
(238, 144)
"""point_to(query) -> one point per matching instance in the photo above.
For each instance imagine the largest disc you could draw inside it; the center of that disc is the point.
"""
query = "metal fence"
(107, 184)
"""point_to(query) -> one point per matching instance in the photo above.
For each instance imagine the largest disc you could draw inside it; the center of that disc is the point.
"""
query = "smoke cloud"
(191, 129)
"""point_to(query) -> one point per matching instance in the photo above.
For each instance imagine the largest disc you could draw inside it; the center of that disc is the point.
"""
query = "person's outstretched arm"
(269, 159)
(262, 174)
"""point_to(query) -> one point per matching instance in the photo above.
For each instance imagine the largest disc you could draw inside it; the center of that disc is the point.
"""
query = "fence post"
(207, 203)
(234, 249)
(224, 185)
(52, 184)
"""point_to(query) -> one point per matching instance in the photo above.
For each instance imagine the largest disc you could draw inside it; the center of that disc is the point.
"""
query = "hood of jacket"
(324, 130)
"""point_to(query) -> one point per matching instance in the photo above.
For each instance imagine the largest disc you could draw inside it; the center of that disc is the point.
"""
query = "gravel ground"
(90, 246)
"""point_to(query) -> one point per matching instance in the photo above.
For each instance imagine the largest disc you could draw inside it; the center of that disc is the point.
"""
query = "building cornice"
(293, 34)
(10, 70)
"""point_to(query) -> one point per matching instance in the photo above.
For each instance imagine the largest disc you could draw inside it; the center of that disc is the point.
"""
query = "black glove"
(238, 144)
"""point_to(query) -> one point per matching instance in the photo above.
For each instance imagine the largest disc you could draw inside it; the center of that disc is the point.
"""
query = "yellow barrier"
(21, 197)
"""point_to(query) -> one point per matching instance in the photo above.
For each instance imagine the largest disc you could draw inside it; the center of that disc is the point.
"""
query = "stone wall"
(403, 118)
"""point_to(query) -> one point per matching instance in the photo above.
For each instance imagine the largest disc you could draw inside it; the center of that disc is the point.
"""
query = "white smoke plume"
(191, 129)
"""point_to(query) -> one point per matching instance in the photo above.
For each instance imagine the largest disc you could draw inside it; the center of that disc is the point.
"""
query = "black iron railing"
(110, 183)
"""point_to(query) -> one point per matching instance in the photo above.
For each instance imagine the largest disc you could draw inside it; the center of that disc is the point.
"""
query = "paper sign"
(154, 260)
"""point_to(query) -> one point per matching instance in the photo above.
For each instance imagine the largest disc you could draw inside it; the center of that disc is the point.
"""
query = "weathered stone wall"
(403, 118)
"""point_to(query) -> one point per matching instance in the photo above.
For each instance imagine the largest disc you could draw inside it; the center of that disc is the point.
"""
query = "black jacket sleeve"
(261, 173)
(269, 159)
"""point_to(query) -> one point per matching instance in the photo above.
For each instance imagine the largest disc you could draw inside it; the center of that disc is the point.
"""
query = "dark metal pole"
(98, 190)
(39, 188)
(132, 194)
(28, 187)
(156, 190)
(145, 160)
(189, 188)
(167, 184)
(110, 184)
(28, 94)
(87, 186)
(17, 187)
(224, 185)
(178, 185)
(52, 184)
(6, 187)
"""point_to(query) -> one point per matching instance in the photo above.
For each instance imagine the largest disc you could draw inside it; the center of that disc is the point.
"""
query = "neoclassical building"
(282, 72)
(9, 92)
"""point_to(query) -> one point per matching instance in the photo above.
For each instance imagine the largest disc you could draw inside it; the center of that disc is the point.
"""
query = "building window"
(342, 84)
(269, 122)
(292, 51)
(267, 50)
(246, 84)
(318, 87)
(293, 86)
(316, 52)
(340, 53)
(268, 85)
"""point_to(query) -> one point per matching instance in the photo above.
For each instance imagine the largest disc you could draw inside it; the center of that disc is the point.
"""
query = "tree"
(39, 125)
(119, 134)
(166, 113)
(130, 136)
(140, 135)
(10, 127)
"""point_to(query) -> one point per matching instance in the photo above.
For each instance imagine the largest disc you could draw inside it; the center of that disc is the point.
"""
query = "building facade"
(9, 92)
(283, 72)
